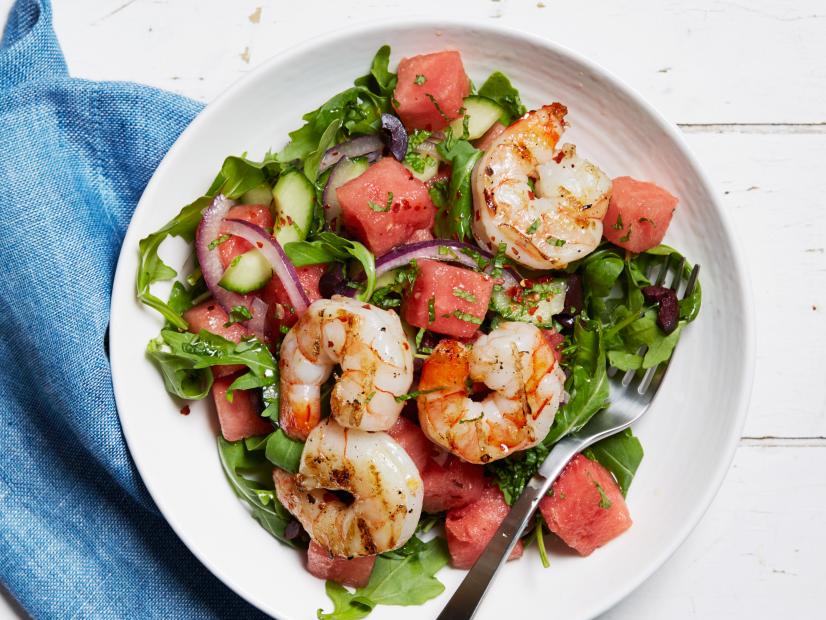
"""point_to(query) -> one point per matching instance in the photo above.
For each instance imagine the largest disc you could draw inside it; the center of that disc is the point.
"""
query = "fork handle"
(465, 601)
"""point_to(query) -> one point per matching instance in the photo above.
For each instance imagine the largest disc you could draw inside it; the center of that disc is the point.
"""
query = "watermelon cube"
(470, 528)
(430, 90)
(210, 316)
(453, 484)
(385, 206)
(240, 418)
(638, 214)
(279, 309)
(234, 246)
(410, 437)
(354, 572)
(447, 300)
(587, 508)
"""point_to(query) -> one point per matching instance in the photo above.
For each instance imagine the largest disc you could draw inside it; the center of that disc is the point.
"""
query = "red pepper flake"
(185, 410)
(259, 244)
(559, 156)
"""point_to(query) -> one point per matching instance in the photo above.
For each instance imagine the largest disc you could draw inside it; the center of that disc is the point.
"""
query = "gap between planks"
(758, 128)
(783, 442)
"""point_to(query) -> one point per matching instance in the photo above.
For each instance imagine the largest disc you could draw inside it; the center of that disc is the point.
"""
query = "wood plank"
(758, 552)
(774, 190)
(707, 61)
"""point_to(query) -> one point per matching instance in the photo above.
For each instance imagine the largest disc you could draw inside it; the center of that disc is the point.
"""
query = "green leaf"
(455, 220)
(620, 454)
(239, 175)
(380, 79)
(283, 451)
(328, 247)
(401, 577)
(599, 276)
(179, 350)
(152, 269)
(499, 88)
(250, 476)
(327, 139)
(180, 377)
(587, 385)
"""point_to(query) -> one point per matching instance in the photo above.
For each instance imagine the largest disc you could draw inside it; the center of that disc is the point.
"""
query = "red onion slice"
(272, 251)
(356, 147)
(434, 250)
(208, 230)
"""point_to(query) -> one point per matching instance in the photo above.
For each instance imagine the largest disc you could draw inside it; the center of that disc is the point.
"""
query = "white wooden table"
(747, 83)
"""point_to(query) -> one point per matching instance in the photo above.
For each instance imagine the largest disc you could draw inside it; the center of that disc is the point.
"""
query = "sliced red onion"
(345, 170)
(272, 251)
(208, 230)
(436, 249)
(357, 147)
(395, 135)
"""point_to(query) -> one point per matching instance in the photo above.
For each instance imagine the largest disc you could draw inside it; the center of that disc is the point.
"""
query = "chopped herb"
(499, 260)
(645, 219)
(420, 79)
(604, 502)
(540, 541)
(534, 227)
(218, 241)
(284, 329)
(439, 110)
(417, 393)
(463, 294)
(419, 336)
(476, 419)
(481, 261)
(554, 241)
(446, 251)
(618, 224)
(464, 316)
(238, 314)
(431, 309)
(382, 209)
(369, 397)
(625, 237)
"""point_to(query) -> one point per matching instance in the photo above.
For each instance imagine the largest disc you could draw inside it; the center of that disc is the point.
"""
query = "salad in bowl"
(401, 311)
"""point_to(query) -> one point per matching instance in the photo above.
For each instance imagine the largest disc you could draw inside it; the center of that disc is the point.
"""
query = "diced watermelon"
(279, 309)
(240, 418)
(452, 485)
(413, 440)
(587, 508)
(447, 300)
(254, 214)
(469, 529)
(385, 205)
(430, 90)
(211, 317)
(638, 214)
(353, 572)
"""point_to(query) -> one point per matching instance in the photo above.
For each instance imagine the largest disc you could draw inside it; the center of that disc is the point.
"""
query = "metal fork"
(631, 394)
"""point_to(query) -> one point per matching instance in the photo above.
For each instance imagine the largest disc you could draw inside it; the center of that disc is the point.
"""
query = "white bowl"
(689, 435)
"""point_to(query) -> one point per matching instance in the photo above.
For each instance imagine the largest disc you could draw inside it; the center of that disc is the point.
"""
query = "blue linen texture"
(79, 535)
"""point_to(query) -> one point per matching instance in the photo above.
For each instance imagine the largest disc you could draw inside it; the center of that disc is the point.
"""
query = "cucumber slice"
(261, 195)
(294, 201)
(431, 167)
(246, 273)
(482, 113)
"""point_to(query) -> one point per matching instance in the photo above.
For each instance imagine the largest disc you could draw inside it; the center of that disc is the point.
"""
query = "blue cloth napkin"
(79, 535)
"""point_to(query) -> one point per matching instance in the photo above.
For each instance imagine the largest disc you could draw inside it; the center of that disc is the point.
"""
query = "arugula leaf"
(587, 384)
(180, 377)
(257, 491)
(239, 175)
(328, 247)
(499, 88)
(152, 269)
(512, 474)
(176, 351)
(327, 139)
(283, 451)
(456, 205)
(357, 109)
(401, 577)
(620, 454)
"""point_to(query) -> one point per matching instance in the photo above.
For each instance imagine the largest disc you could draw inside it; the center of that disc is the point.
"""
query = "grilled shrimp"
(375, 358)
(384, 482)
(553, 222)
(517, 363)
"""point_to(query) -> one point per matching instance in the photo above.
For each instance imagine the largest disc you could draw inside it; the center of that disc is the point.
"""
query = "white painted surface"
(717, 66)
